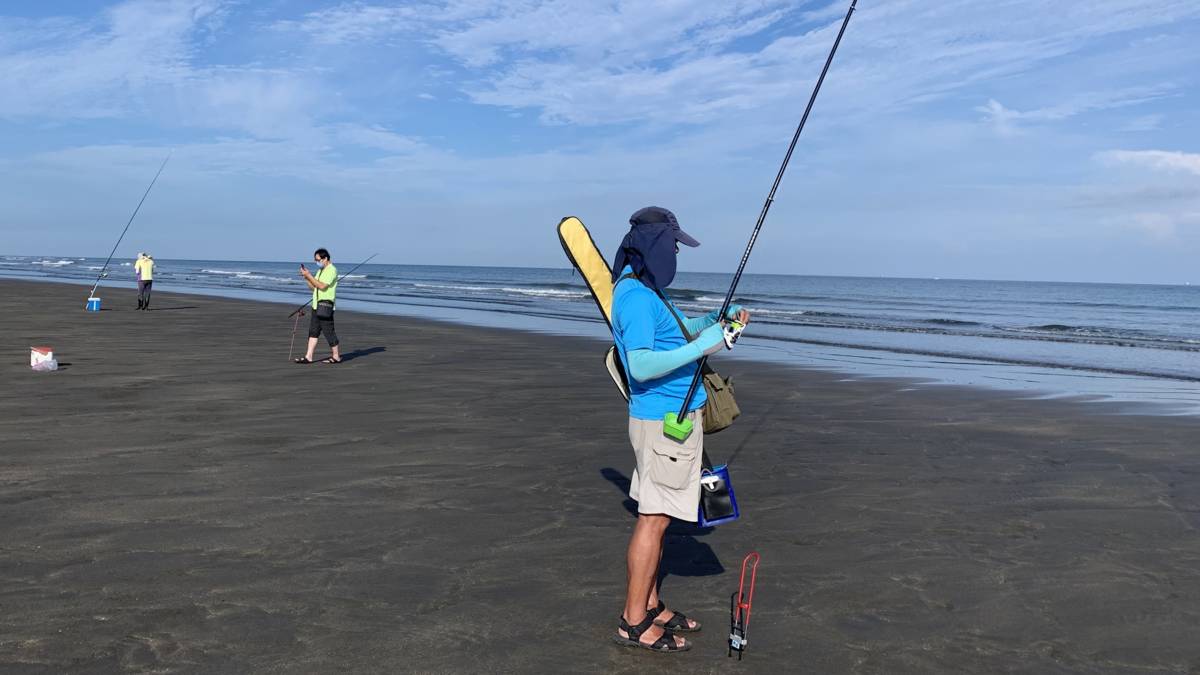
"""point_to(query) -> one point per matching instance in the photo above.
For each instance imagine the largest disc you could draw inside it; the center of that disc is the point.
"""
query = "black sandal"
(331, 360)
(665, 644)
(302, 359)
(678, 623)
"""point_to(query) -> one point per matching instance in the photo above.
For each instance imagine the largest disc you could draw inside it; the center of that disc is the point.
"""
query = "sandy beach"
(181, 498)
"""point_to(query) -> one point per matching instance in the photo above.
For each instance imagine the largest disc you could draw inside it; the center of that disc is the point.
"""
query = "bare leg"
(337, 354)
(652, 603)
(642, 560)
(312, 347)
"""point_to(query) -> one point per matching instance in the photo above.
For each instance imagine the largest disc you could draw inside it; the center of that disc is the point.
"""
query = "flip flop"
(302, 359)
(331, 360)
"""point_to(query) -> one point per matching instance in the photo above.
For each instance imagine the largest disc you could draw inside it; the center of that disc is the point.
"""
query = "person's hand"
(711, 340)
(737, 313)
(303, 271)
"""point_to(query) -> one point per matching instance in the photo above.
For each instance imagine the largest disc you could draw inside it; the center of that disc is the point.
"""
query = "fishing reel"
(733, 330)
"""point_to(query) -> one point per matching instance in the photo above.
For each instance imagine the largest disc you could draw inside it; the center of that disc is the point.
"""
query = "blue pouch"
(718, 504)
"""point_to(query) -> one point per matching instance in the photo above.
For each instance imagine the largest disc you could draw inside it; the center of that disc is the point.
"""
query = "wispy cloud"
(1008, 122)
(1163, 160)
(352, 22)
(137, 60)
(1143, 123)
(595, 63)
(1163, 204)
(78, 68)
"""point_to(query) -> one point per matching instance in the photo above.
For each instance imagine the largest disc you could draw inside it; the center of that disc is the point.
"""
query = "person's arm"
(647, 364)
(313, 282)
(635, 319)
(699, 323)
(332, 272)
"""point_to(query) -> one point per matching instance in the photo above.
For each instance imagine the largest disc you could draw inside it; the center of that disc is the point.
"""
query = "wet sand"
(180, 498)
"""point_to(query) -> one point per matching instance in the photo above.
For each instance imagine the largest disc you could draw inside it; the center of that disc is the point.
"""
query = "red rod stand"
(739, 607)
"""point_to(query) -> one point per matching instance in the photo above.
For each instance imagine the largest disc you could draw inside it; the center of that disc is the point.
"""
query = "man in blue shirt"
(650, 335)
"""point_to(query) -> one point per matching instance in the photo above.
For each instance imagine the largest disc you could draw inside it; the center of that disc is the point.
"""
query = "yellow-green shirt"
(328, 275)
(145, 269)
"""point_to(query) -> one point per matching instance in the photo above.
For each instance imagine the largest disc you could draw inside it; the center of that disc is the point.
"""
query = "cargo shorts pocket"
(671, 461)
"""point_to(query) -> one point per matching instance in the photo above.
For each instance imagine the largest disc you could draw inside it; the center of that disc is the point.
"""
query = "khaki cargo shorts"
(667, 478)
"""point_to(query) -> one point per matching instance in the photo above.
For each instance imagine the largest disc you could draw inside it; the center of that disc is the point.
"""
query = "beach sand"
(180, 498)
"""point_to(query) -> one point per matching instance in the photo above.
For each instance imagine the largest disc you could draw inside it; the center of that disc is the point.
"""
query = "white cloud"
(627, 30)
(378, 138)
(352, 22)
(1157, 204)
(1006, 121)
(138, 60)
(1157, 225)
(604, 62)
(62, 68)
(1164, 160)
(1142, 123)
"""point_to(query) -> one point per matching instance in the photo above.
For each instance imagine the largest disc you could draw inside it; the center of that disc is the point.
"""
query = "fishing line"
(104, 269)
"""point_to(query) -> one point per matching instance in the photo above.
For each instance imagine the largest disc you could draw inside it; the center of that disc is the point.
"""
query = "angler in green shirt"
(324, 288)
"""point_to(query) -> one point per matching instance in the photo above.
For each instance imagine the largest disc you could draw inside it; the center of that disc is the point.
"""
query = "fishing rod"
(104, 269)
(299, 311)
(680, 427)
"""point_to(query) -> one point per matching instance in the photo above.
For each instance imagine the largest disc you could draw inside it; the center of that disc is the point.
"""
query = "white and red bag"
(42, 359)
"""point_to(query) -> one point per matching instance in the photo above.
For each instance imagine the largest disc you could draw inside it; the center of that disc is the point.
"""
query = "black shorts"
(317, 326)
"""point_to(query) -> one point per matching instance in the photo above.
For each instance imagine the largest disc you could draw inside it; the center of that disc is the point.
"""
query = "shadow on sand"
(359, 353)
(683, 554)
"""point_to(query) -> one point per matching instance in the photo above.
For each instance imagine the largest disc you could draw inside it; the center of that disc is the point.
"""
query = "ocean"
(1137, 344)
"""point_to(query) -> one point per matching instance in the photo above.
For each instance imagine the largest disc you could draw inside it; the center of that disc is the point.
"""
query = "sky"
(1010, 139)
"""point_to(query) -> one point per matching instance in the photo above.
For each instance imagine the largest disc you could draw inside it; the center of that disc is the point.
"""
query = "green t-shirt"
(328, 275)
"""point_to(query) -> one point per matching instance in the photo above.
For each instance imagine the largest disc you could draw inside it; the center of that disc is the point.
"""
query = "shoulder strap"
(686, 335)
(666, 303)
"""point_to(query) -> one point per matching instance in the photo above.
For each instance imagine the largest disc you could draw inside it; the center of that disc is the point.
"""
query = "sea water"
(1115, 341)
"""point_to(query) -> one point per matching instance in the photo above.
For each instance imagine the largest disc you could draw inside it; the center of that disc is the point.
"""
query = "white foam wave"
(455, 287)
(242, 275)
(547, 292)
(519, 290)
(231, 272)
(54, 263)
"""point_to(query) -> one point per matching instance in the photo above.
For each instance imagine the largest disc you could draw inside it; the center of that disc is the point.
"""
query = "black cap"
(658, 215)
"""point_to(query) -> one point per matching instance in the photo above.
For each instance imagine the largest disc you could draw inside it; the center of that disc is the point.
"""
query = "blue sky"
(1012, 139)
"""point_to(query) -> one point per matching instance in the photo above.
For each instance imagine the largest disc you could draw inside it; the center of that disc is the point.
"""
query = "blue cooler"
(93, 305)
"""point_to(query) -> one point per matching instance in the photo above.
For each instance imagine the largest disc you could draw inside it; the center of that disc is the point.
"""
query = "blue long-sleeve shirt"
(642, 321)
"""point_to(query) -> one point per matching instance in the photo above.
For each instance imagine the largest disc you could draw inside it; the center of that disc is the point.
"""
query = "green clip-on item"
(676, 428)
